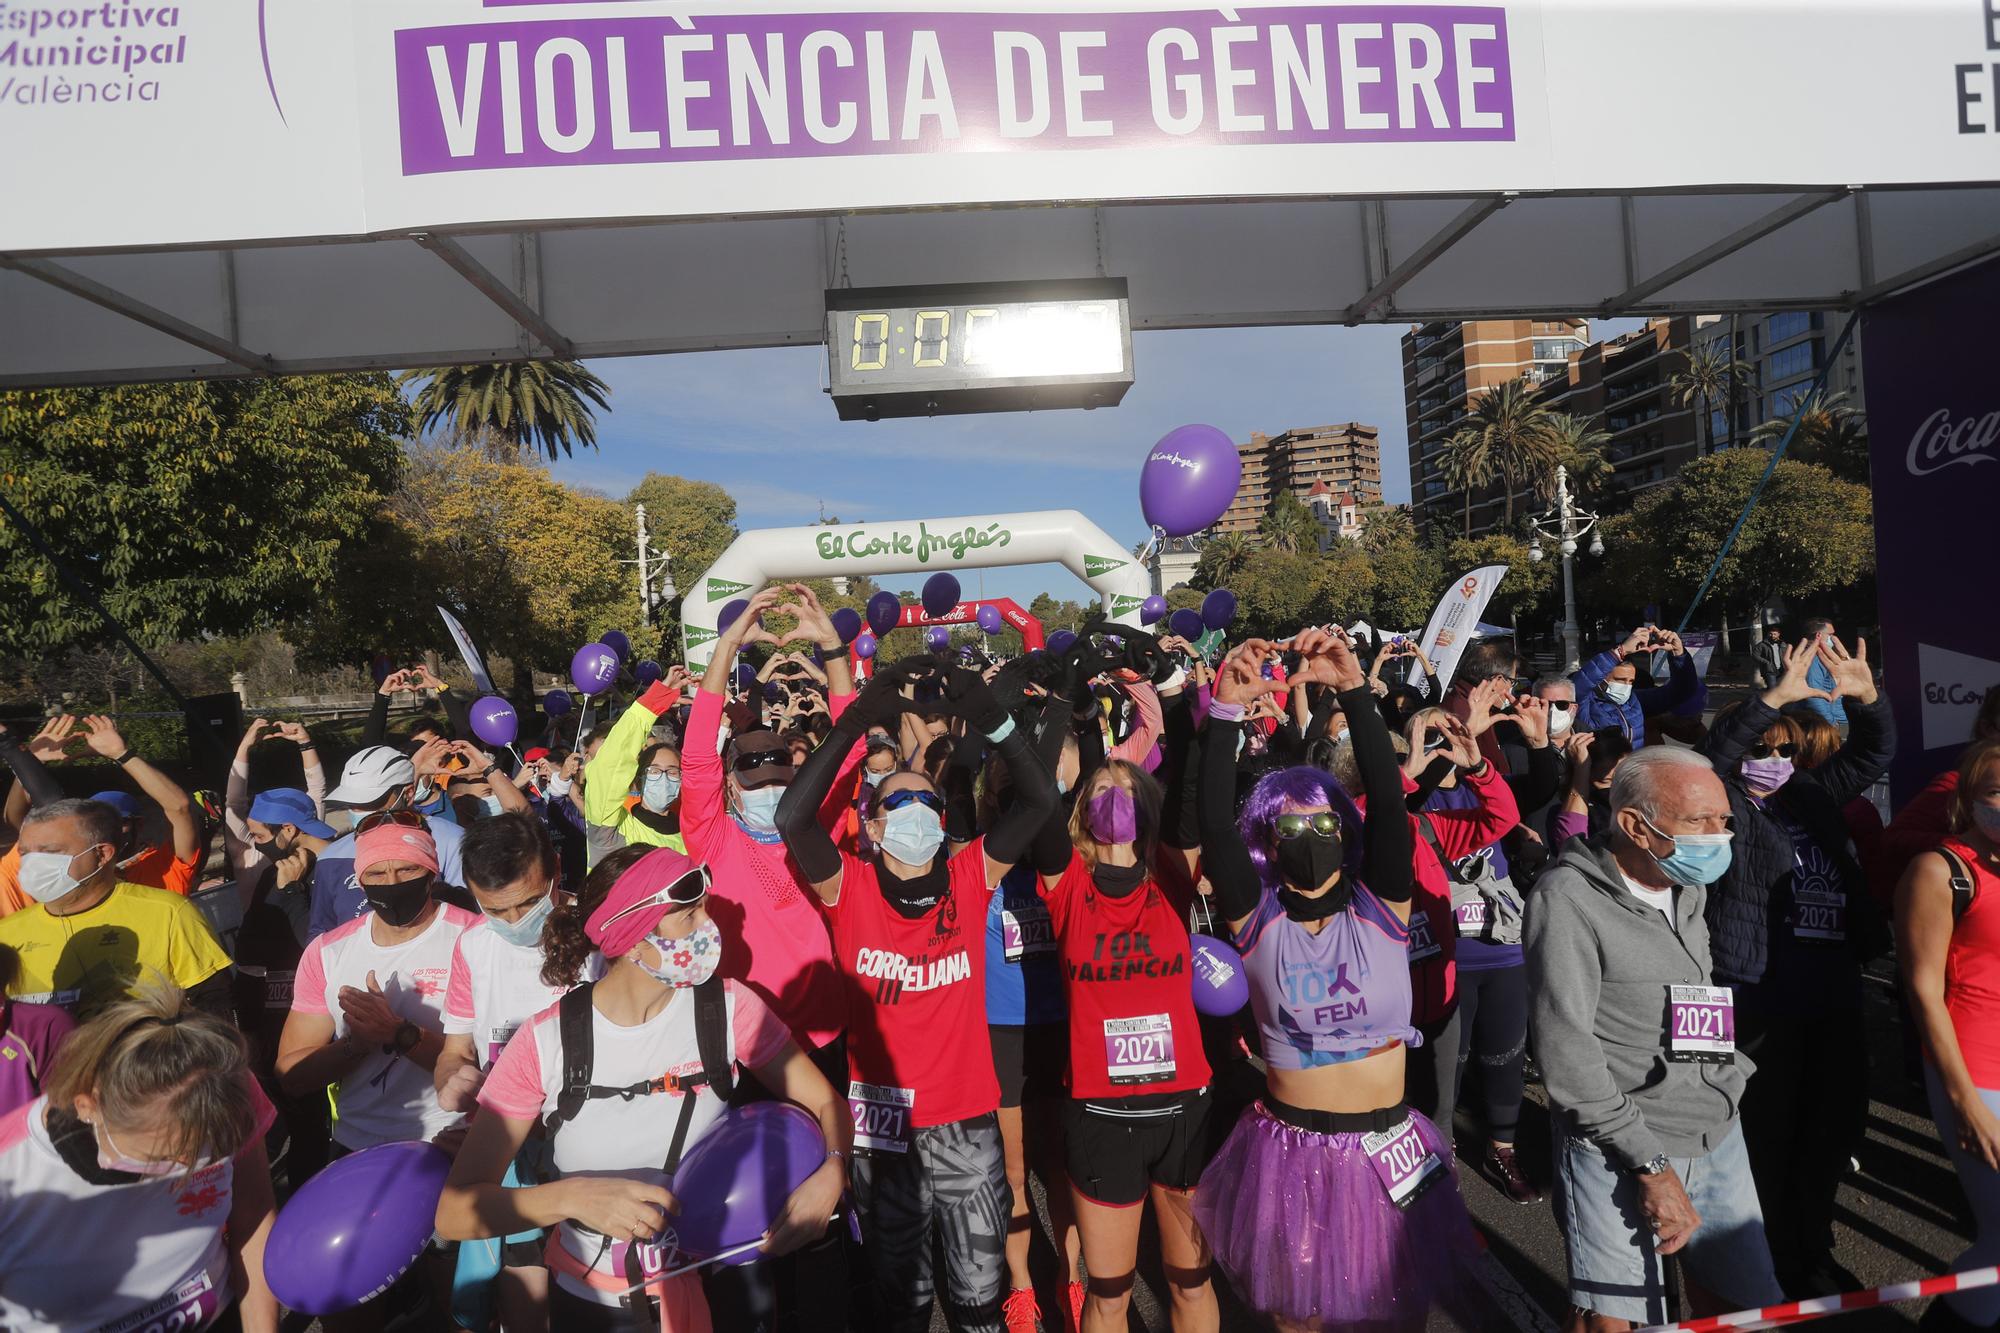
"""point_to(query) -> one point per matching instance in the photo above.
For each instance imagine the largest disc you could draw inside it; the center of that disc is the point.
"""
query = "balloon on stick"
(864, 646)
(557, 703)
(617, 641)
(1189, 479)
(1218, 609)
(884, 611)
(594, 668)
(940, 593)
(1187, 624)
(355, 1227)
(847, 623)
(494, 721)
(1152, 609)
(1220, 986)
(990, 619)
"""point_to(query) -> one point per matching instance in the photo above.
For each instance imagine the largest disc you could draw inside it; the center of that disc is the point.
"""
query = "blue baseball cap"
(289, 805)
(124, 802)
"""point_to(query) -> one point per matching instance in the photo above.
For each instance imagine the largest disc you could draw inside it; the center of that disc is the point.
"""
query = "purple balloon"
(1218, 609)
(940, 593)
(746, 675)
(884, 611)
(355, 1227)
(617, 642)
(1152, 609)
(557, 703)
(1186, 624)
(990, 619)
(493, 720)
(1188, 479)
(847, 623)
(864, 646)
(937, 636)
(730, 610)
(1060, 641)
(594, 668)
(1220, 987)
(647, 672)
(734, 1182)
(773, 691)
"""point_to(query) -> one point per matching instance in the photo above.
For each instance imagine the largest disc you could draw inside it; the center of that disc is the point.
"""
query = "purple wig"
(1300, 785)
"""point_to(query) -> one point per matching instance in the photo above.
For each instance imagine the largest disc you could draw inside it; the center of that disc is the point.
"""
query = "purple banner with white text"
(541, 91)
(1934, 432)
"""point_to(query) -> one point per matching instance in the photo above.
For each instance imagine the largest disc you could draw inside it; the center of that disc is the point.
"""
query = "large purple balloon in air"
(617, 641)
(594, 668)
(847, 623)
(884, 611)
(940, 593)
(1188, 479)
(494, 721)
(1187, 624)
(1218, 609)
(734, 1182)
(990, 619)
(355, 1227)
(1220, 986)
(1152, 609)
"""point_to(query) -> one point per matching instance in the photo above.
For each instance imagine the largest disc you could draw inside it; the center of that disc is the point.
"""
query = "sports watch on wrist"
(408, 1034)
(1659, 1166)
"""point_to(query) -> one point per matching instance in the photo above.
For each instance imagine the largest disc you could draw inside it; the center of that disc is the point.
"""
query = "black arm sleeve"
(30, 772)
(1089, 732)
(1052, 850)
(798, 809)
(1034, 801)
(1224, 857)
(961, 812)
(1538, 786)
(1427, 782)
(1178, 774)
(1385, 866)
(1324, 710)
(376, 728)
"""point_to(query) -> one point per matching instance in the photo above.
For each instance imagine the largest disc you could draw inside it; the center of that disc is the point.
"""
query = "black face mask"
(1118, 881)
(1311, 860)
(917, 894)
(399, 904)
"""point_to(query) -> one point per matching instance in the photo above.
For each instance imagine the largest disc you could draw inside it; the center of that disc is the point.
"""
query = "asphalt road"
(1900, 1215)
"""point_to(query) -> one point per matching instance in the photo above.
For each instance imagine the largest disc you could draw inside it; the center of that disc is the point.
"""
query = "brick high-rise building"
(1345, 457)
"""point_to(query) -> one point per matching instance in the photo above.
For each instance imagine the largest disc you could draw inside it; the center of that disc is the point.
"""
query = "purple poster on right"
(1933, 393)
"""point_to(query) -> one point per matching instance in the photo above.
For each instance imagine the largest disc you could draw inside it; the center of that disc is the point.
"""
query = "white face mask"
(1561, 719)
(45, 876)
(1618, 691)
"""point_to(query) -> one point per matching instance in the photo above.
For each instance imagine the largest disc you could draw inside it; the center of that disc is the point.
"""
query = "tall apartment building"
(1784, 352)
(1625, 383)
(1445, 366)
(1346, 458)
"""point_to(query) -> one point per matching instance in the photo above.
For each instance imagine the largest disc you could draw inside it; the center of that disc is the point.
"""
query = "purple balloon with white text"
(594, 669)
(493, 720)
(1189, 479)
(936, 637)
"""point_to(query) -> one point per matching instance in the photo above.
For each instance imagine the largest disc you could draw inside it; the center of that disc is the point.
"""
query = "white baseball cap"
(372, 774)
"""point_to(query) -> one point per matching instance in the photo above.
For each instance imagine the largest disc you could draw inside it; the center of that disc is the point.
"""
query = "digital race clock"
(977, 347)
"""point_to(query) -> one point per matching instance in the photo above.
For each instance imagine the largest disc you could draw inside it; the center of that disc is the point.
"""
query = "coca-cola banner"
(1934, 427)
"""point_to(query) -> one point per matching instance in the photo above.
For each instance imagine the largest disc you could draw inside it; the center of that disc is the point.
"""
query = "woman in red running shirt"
(1137, 1124)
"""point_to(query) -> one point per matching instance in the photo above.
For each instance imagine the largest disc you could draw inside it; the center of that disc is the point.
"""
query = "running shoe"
(1020, 1313)
(1500, 1167)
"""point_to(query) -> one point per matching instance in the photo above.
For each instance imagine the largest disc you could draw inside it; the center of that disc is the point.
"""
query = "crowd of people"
(563, 966)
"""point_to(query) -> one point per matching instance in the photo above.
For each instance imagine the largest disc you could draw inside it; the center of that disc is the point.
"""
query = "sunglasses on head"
(685, 891)
(1763, 751)
(1323, 824)
(378, 818)
(896, 800)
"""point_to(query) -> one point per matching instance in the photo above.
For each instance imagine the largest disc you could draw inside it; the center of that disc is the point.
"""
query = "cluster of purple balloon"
(1217, 610)
(358, 1225)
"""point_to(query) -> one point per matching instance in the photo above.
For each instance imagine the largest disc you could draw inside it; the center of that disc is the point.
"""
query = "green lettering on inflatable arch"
(721, 588)
(1096, 566)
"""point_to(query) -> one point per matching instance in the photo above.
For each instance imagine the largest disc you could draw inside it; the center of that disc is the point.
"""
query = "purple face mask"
(1767, 774)
(1111, 816)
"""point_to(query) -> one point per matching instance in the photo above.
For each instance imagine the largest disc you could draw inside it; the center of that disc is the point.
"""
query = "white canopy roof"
(279, 187)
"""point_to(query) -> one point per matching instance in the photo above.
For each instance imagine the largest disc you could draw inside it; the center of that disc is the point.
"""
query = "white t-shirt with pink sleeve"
(495, 987)
(386, 1098)
(80, 1255)
(611, 1136)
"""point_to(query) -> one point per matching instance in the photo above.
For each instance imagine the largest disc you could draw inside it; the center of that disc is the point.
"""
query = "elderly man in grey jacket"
(1637, 1050)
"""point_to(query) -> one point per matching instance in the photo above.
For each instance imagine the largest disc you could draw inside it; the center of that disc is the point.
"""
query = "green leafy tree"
(693, 522)
(1055, 614)
(211, 508)
(1810, 533)
(1289, 526)
(1468, 467)
(1507, 432)
(1185, 597)
(1388, 527)
(513, 407)
(1831, 434)
(1577, 444)
(1707, 374)
(1222, 558)
(1408, 579)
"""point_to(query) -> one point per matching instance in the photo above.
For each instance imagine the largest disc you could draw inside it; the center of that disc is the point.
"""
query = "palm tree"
(1578, 445)
(1289, 526)
(1706, 378)
(1467, 465)
(1831, 434)
(1391, 525)
(1222, 559)
(1510, 426)
(512, 407)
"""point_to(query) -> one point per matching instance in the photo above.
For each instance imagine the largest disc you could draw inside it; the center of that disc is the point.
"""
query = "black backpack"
(711, 1037)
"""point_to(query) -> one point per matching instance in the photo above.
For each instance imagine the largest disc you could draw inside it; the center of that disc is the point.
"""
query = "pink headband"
(625, 916)
(395, 842)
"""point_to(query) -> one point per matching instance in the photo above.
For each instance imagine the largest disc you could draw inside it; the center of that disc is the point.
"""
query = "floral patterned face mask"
(685, 962)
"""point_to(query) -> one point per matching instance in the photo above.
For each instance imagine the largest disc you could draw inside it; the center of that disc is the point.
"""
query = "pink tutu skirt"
(1305, 1229)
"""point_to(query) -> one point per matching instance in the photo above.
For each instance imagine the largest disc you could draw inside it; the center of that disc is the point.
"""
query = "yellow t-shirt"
(89, 959)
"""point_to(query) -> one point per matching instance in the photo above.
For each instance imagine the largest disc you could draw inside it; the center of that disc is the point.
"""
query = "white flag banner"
(1456, 621)
(473, 661)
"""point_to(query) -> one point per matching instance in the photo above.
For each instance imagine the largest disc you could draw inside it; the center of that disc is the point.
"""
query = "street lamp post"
(1564, 524)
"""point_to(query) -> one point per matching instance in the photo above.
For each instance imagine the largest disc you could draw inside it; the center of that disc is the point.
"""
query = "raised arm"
(1135, 747)
(1007, 842)
(1225, 858)
(1871, 735)
(805, 837)
(105, 740)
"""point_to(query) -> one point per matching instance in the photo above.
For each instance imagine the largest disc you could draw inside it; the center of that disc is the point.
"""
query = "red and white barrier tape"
(1793, 1312)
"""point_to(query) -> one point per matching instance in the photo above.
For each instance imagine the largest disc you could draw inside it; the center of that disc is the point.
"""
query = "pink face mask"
(113, 1158)
(1112, 816)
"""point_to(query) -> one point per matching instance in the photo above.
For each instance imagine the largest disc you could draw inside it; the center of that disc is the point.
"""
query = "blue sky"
(757, 424)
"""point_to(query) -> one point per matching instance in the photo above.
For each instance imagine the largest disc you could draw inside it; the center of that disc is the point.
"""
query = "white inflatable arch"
(913, 546)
